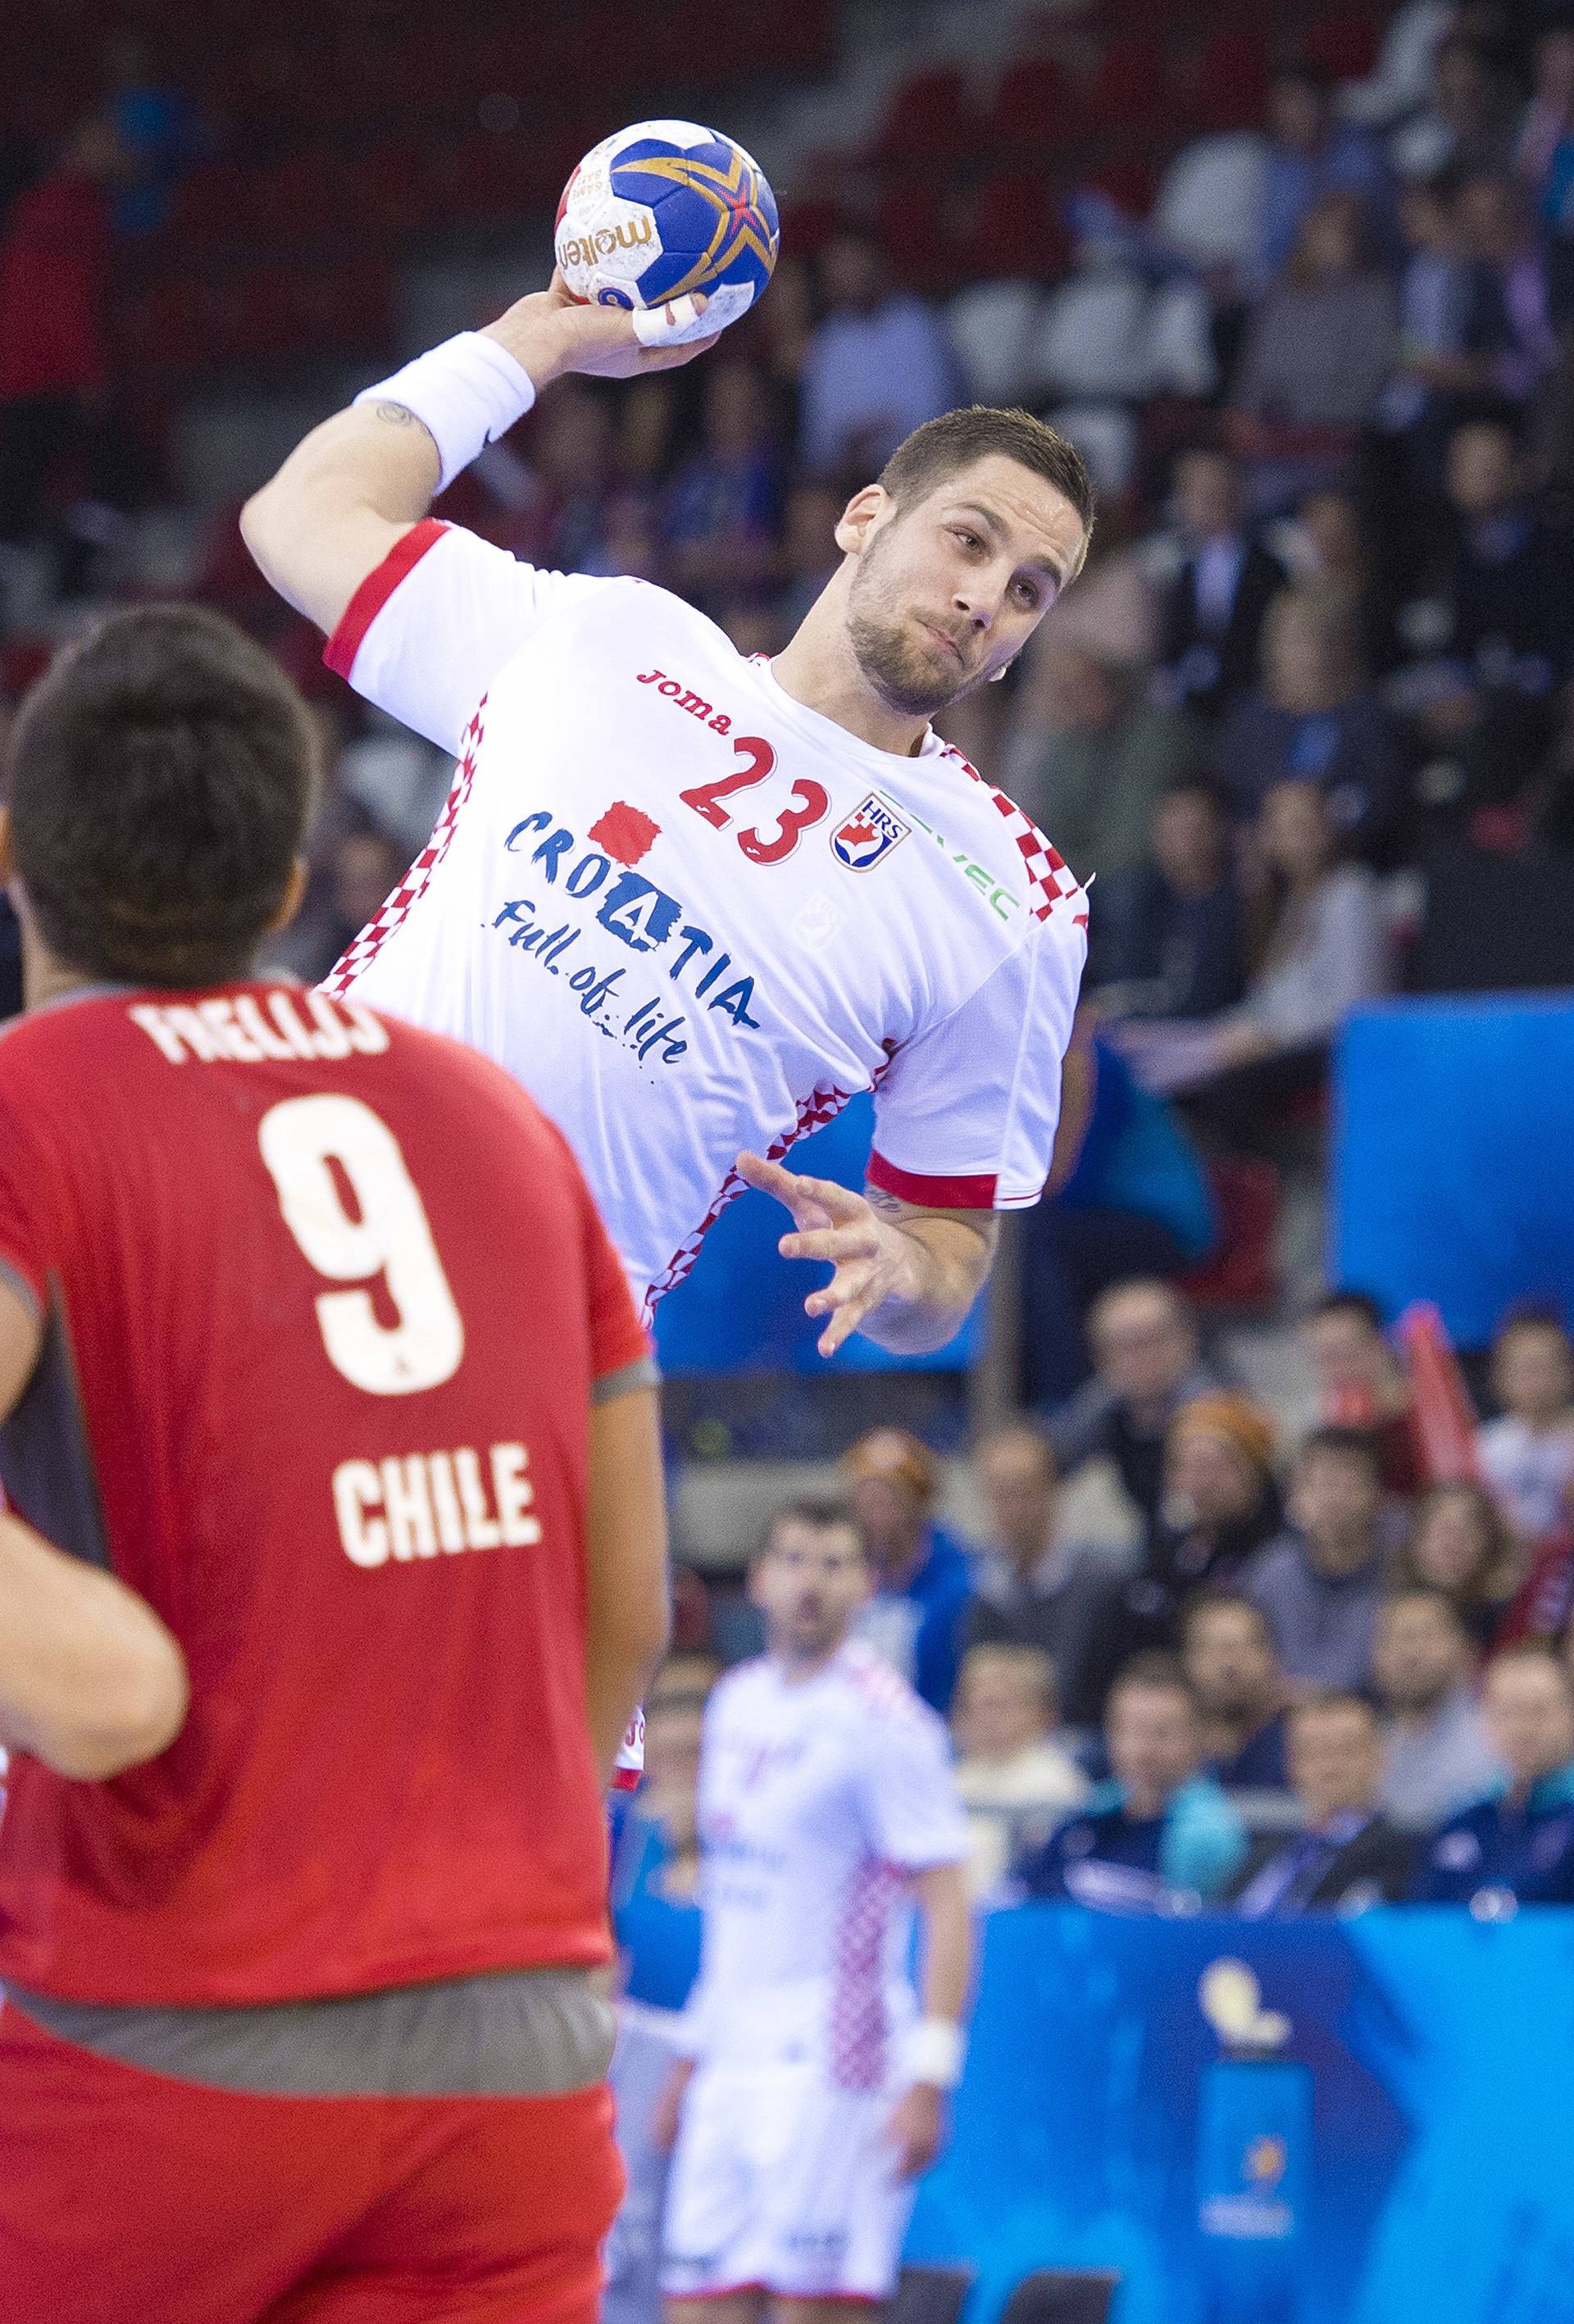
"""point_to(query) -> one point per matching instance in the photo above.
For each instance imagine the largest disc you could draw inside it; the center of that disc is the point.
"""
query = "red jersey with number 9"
(326, 1304)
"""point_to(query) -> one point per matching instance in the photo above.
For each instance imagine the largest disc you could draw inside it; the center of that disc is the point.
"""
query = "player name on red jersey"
(419, 1505)
(251, 1027)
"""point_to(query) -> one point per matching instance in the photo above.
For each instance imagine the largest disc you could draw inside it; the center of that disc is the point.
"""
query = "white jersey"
(692, 916)
(817, 1801)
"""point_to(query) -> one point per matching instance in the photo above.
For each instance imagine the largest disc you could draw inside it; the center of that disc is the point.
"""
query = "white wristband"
(933, 2052)
(466, 393)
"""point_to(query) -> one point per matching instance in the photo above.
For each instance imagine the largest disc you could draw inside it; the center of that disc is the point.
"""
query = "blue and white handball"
(663, 210)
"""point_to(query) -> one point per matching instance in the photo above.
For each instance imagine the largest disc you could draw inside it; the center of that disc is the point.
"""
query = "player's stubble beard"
(884, 650)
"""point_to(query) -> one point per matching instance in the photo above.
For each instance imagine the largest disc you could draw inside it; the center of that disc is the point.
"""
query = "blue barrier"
(742, 1310)
(1408, 2160)
(1452, 1155)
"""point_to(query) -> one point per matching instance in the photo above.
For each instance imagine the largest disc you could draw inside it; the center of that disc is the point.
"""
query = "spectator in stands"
(1315, 720)
(1214, 598)
(1162, 1837)
(1013, 1776)
(1460, 1544)
(1423, 1668)
(563, 528)
(158, 129)
(921, 1585)
(1130, 1198)
(1220, 1505)
(1229, 1657)
(1325, 948)
(1147, 1366)
(1312, 154)
(1438, 318)
(1548, 123)
(362, 872)
(1318, 354)
(1513, 316)
(1320, 1584)
(1171, 937)
(1088, 755)
(54, 342)
(1340, 556)
(1498, 601)
(1032, 1586)
(1470, 122)
(722, 508)
(1361, 1382)
(809, 552)
(1349, 1857)
(875, 367)
(1517, 1846)
(1527, 1452)
(1401, 82)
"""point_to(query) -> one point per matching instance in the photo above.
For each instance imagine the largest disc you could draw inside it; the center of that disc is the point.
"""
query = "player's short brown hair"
(162, 776)
(956, 439)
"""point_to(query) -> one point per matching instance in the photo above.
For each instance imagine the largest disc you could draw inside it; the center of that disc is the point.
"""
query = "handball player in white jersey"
(814, 2093)
(696, 900)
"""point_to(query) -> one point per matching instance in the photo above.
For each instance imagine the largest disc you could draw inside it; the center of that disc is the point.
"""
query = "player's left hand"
(874, 1260)
(917, 2128)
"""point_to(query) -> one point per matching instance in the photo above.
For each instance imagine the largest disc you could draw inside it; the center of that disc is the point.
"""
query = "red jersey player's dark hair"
(944, 447)
(162, 776)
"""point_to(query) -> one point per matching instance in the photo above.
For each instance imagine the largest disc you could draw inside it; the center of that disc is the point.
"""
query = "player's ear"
(859, 515)
(294, 896)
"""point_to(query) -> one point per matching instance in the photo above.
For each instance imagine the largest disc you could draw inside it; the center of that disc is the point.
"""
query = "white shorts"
(782, 2183)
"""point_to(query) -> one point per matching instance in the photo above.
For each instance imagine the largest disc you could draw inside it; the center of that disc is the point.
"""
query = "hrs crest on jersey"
(869, 834)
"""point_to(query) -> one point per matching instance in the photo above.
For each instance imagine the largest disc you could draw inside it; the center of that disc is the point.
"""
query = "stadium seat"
(992, 326)
(1030, 109)
(1242, 1271)
(1131, 185)
(1054, 2295)
(1131, 88)
(1210, 202)
(1345, 46)
(1231, 87)
(930, 2295)
(1014, 228)
(912, 218)
(928, 118)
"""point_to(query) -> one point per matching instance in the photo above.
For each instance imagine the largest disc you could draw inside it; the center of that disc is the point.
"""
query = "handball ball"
(664, 209)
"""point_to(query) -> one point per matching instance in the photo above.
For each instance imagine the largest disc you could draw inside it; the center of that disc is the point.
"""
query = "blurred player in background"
(815, 2091)
(336, 1569)
(696, 900)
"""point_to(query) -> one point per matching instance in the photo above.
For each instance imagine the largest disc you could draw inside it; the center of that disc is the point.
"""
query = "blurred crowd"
(1304, 1676)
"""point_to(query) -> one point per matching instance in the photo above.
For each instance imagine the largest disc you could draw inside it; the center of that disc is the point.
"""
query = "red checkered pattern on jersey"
(858, 2027)
(413, 886)
(822, 1105)
(1047, 874)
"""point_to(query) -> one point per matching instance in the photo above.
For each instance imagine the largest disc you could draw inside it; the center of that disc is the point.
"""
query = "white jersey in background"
(692, 916)
(817, 1802)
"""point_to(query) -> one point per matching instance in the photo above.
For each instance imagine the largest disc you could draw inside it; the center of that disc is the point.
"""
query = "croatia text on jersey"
(597, 874)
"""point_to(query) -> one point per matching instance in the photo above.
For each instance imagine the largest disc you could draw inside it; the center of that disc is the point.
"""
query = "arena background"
(1298, 281)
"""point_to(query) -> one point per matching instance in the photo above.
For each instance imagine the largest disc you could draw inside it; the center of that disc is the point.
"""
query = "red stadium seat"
(1131, 186)
(912, 220)
(1015, 228)
(928, 119)
(1345, 46)
(1031, 107)
(1231, 88)
(1131, 88)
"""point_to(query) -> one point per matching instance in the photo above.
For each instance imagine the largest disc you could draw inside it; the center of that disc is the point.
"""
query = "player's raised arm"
(90, 1680)
(348, 494)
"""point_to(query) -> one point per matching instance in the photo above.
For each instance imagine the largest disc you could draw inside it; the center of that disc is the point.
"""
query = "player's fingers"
(675, 325)
(769, 1177)
(835, 1244)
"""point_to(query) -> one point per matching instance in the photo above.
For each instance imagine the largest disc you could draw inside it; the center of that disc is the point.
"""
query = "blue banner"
(1405, 2156)
(1454, 1125)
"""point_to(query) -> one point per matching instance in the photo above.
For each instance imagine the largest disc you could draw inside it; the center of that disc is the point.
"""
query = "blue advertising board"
(1404, 2156)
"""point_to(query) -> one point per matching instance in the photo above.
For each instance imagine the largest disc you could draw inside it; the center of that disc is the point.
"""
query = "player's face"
(809, 1585)
(948, 590)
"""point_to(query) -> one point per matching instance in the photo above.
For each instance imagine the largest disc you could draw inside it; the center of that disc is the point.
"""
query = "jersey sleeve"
(965, 1116)
(909, 1793)
(428, 631)
(24, 1256)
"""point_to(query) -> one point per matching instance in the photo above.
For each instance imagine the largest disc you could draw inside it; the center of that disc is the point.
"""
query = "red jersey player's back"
(326, 1384)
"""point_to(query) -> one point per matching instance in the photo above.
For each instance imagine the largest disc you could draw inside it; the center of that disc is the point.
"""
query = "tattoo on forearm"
(397, 416)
